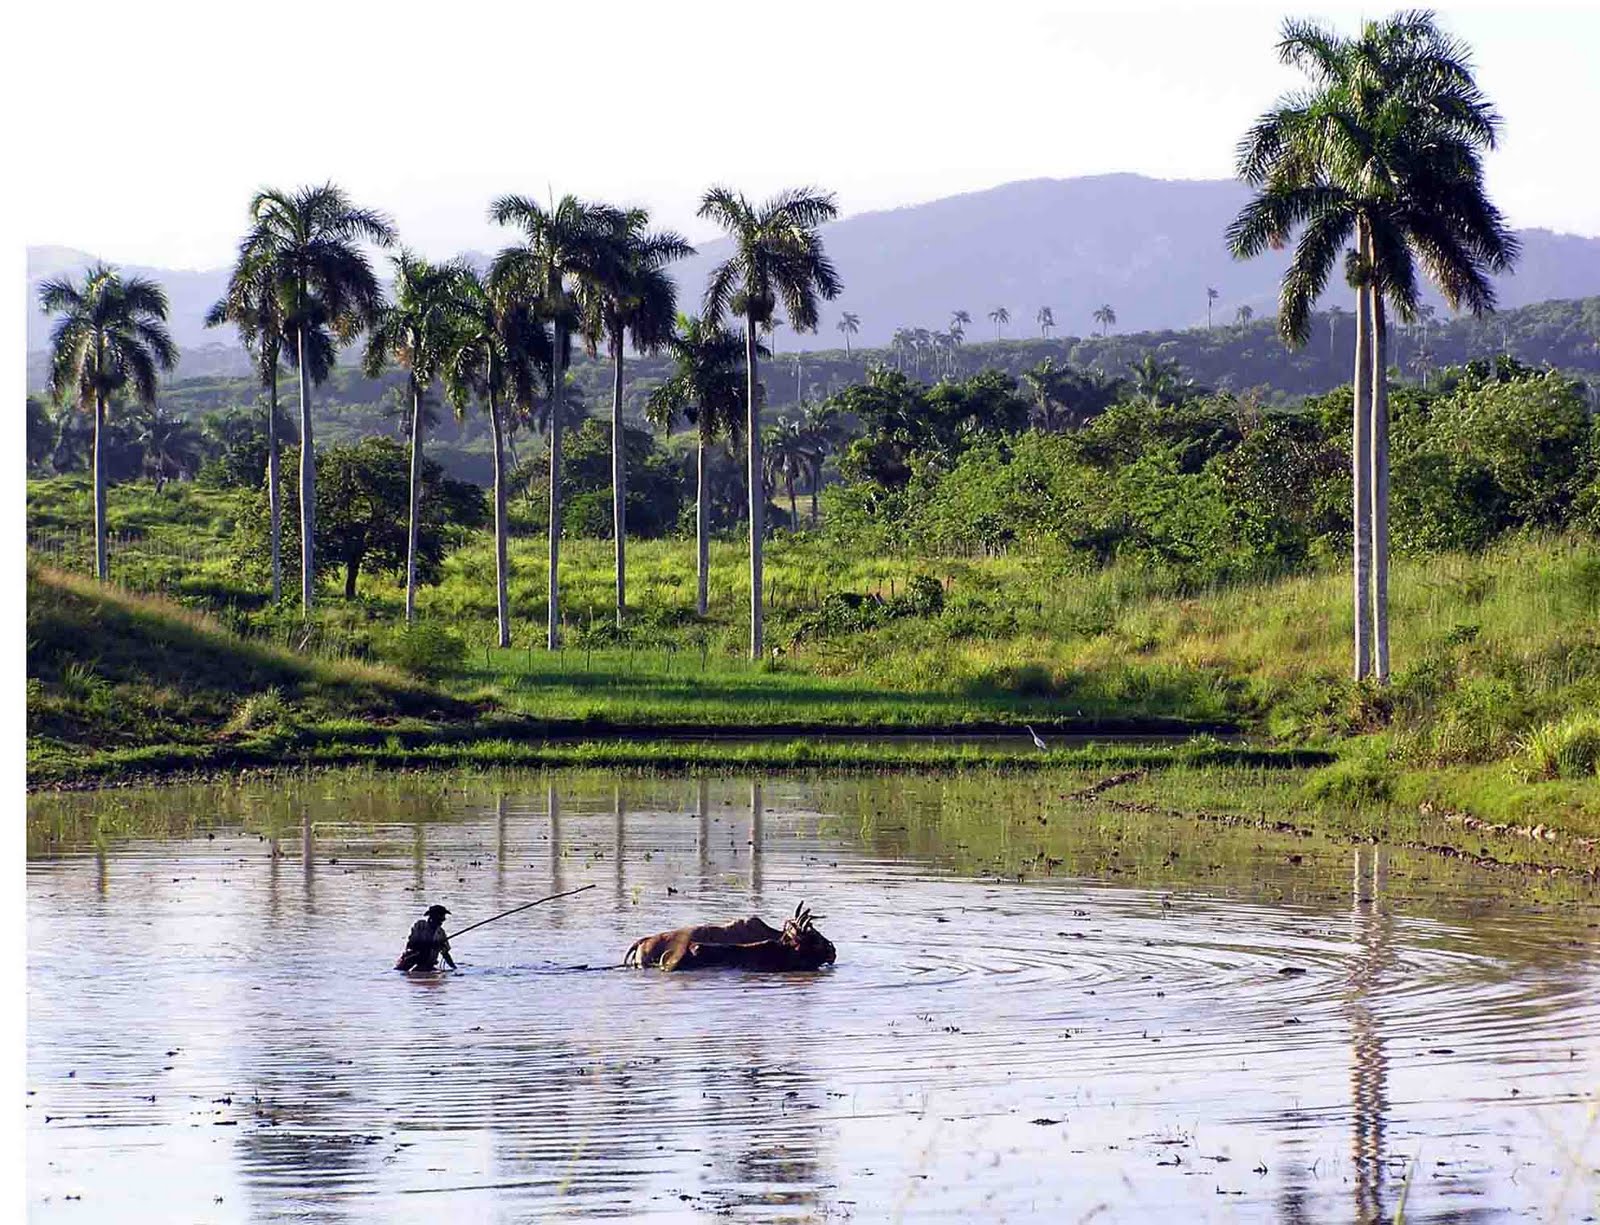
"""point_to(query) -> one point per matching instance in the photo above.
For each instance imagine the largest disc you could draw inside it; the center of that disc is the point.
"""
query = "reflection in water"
(1372, 931)
(985, 1048)
(756, 840)
(619, 838)
(308, 858)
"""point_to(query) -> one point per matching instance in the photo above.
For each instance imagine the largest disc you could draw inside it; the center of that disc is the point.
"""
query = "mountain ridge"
(1147, 247)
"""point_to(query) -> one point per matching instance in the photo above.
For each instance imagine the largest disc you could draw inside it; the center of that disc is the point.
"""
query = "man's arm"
(444, 951)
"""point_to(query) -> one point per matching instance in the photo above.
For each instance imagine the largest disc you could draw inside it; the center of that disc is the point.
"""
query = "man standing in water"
(427, 943)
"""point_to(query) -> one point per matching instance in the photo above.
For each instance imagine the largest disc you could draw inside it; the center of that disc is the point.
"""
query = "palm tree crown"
(777, 255)
(110, 336)
(1388, 140)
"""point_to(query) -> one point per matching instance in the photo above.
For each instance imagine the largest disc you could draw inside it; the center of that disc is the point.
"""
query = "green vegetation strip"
(148, 763)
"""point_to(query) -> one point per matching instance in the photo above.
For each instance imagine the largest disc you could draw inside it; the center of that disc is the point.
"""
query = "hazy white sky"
(141, 129)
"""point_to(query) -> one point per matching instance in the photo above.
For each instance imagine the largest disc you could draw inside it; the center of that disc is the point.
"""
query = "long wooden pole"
(515, 909)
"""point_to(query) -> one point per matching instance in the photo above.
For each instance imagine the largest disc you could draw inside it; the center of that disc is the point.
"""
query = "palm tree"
(1044, 381)
(254, 304)
(500, 348)
(787, 452)
(1046, 320)
(849, 323)
(631, 296)
(563, 250)
(999, 315)
(110, 336)
(777, 253)
(329, 293)
(960, 321)
(1244, 314)
(417, 333)
(823, 431)
(1106, 318)
(1211, 296)
(172, 447)
(1383, 152)
(704, 388)
(1158, 381)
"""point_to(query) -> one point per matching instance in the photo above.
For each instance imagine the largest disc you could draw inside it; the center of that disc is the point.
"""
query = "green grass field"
(1494, 709)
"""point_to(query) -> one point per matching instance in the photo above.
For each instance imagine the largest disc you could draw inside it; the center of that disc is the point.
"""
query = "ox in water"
(748, 944)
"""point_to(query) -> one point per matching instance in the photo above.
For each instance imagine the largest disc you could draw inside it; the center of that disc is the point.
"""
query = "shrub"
(261, 711)
(1365, 778)
(426, 650)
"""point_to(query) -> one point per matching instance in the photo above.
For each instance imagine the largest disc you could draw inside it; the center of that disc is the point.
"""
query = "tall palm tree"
(110, 337)
(630, 296)
(254, 303)
(1211, 296)
(705, 388)
(1244, 314)
(501, 346)
(960, 321)
(777, 254)
(563, 250)
(999, 315)
(311, 241)
(1383, 152)
(1106, 318)
(417, 333)
(1046, 319)
(849, 324)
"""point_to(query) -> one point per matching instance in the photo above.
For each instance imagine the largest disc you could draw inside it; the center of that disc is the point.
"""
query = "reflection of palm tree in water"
(1373, 930)
(557, 885)
(703, 811)
(757, 816)
(500, 842)
(620, 837)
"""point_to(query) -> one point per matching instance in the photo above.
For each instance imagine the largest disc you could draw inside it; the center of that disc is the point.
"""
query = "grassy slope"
(109, 671)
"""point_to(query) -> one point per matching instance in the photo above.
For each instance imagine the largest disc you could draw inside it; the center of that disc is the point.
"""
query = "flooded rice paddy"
(1039, 1012)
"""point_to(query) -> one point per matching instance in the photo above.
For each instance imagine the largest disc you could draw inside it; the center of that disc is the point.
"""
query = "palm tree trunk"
(816, 486)
(1360, 468)
(274, 505)
(101, 571)
(416, 496)
(308, 485)
(502, 608)
(794, 513)
(1379, 490)
(553, 588)
(702, 525)
(619, 480)
(758, 498)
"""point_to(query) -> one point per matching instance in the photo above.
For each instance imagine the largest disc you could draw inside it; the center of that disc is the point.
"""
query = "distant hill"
(1149, 248)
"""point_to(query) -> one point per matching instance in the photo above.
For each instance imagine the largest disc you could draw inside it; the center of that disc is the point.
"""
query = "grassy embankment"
(1493, 711)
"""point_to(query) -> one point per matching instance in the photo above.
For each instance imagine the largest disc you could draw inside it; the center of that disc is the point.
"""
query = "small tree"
(363, 493)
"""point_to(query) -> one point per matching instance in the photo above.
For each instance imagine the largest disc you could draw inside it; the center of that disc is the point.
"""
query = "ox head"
(810, 948)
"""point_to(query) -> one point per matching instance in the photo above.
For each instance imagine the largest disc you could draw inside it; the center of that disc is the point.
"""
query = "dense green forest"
(1247, 358)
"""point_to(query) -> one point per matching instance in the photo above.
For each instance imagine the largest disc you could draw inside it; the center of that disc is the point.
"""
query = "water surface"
(1039, 1012)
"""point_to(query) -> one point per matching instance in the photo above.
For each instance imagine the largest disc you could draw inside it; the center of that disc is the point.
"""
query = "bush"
(1366, 778)
(1566, 749)
(426, 650)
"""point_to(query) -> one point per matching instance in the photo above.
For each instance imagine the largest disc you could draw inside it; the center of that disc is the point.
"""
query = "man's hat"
(437, 910)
